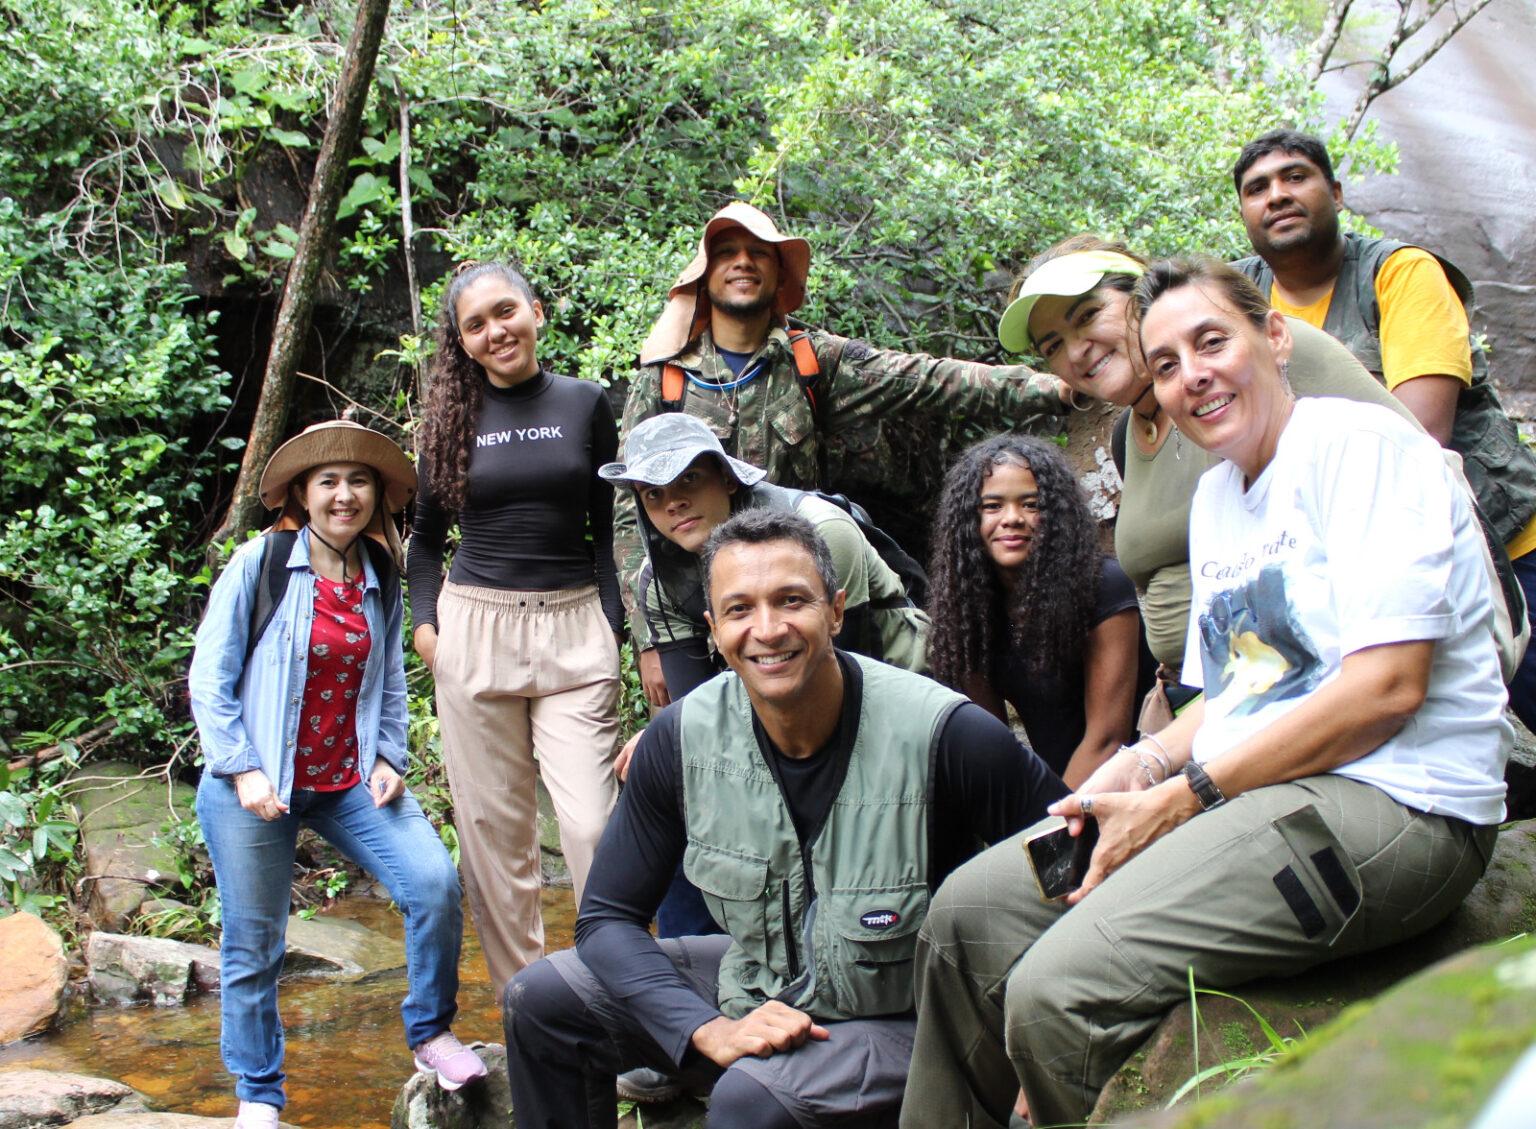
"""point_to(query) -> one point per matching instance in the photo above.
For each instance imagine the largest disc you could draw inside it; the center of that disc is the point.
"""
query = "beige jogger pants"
(527, 683)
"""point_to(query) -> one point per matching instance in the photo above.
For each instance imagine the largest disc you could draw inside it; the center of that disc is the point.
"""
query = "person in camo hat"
(686, 485)
(782, 396)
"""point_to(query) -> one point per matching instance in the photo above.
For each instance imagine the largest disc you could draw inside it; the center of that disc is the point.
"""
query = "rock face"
(131, 970)
(32, 976)
(423, 1104)
(337, 949)
(1503, 904)
(120, 818)
(551, 857)
(30, 1098)
(1429, 1052)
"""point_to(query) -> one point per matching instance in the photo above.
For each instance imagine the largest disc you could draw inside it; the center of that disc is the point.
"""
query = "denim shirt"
(248, 713)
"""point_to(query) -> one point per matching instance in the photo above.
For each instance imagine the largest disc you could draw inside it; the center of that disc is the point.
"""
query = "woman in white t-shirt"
(1337, 789)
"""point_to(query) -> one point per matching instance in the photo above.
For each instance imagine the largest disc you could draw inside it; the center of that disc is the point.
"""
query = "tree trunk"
(316, 234)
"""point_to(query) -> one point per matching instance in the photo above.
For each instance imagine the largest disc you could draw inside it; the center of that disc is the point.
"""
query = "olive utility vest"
(830, 930)
(1501, 469)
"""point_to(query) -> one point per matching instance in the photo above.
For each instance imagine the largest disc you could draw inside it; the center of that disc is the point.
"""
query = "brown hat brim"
(674, 328)
(339, 441)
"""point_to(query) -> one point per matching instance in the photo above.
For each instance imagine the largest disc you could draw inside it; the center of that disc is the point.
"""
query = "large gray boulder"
(32, 976)
(1430, 1052)
(30, 1099)
(121, 817)
(333, 948)
(1502, 905)
(127, 970)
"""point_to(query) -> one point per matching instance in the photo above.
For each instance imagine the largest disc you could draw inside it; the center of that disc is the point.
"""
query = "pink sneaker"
(455, 1064)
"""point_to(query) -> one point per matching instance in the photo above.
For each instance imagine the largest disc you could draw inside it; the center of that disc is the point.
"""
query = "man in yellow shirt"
(1403, 312)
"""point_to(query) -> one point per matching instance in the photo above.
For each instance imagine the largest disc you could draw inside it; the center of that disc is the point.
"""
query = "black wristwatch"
(1203, 787)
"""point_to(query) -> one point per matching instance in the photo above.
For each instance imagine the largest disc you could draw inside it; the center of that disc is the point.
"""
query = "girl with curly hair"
(1026, 608)
(522, 637)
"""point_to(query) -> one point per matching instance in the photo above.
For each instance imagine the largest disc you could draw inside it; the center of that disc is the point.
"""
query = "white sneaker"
(256, 1115)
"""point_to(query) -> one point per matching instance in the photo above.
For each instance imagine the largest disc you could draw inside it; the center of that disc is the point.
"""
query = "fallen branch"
(81, 744)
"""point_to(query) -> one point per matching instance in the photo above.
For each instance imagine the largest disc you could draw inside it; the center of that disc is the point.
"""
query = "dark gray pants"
(1016, 991)
(567, 1037)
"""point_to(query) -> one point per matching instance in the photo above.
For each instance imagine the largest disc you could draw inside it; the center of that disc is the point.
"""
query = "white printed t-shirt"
(1354, 536)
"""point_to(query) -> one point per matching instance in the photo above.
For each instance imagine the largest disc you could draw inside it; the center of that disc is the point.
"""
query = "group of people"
(1280, 704)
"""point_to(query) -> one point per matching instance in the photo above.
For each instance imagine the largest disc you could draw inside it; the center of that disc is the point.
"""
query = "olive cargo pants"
(1015, 991)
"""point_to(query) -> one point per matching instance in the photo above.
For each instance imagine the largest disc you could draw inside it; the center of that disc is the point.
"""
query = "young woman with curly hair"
(522, 638)
(1027, 610)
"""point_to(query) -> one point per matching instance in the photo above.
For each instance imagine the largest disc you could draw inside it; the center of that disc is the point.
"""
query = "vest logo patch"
(879, 919)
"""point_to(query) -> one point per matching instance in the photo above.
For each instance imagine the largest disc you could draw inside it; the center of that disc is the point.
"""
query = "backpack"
(913, 576)
(272, 583)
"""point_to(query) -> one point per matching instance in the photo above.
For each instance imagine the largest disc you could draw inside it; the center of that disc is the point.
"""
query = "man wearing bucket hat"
(686, 486)
(794, 401)
(298, 688)
(816, 797)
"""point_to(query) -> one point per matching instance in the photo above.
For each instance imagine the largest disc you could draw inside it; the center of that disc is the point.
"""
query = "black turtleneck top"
(533, 499)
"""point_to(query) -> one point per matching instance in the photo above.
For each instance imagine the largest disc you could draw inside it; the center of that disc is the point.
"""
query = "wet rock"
(120, 818)
(155, 1121)
(32, 976)
(423, 1104)
(335, 949)
(1429, 1052)
(128, 970)
(684, 1113)
(551, 856)
(1502, 905)
(32, 1098)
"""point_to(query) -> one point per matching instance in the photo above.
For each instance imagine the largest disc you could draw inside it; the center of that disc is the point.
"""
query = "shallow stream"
(346, 1058)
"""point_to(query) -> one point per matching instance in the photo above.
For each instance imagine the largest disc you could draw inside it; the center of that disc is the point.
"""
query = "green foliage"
(102, 374)
(1245, 1058)
(38, 834)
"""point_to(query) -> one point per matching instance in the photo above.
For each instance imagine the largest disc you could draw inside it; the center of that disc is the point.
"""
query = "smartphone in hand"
(1060, 861)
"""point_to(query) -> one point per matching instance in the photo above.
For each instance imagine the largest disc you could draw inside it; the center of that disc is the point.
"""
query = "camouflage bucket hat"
(662, 447)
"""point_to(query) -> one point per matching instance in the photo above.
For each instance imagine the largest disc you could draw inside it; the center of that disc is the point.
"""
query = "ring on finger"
(1086, 803)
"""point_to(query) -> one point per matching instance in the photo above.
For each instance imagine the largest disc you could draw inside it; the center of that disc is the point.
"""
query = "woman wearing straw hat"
(521, 639)
(301, 712)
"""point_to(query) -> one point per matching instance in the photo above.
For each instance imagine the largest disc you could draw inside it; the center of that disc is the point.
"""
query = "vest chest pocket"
(733, 886)
(873, 941)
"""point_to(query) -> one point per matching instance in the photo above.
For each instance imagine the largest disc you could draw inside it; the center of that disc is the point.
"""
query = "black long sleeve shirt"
(532, 498)
(986, 786)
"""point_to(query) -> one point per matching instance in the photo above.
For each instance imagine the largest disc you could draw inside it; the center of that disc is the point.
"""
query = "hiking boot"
(256, 1115)
(647, 1086)
(454, 1063)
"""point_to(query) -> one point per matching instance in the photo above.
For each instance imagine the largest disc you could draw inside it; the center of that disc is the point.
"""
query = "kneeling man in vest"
(816, 798)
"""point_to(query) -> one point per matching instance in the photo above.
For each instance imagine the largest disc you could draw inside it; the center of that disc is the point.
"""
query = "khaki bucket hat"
(676, 326)
(339, 441)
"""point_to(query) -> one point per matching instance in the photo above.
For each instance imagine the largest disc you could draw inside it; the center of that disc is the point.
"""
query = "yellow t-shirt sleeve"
(1423, 323)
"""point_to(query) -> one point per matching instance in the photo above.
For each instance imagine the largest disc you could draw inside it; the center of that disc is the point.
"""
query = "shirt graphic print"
(326, 757)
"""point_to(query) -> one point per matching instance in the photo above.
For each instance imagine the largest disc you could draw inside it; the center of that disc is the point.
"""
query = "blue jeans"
(1522, 688)
(253, 863)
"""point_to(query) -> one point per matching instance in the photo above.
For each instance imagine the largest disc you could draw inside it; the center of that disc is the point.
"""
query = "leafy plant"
(1240, 1065)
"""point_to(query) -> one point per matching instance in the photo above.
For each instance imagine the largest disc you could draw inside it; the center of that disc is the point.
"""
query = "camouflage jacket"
(768, 421)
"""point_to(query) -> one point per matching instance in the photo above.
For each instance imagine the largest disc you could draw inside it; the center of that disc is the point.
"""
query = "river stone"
(1501, 905)
(127, 970)
(33, 1098)
(156, 1121)
(120, 819)
(32, 976)
(423, 1104)
(551, 856)
(1431, 1051)
(325, 948)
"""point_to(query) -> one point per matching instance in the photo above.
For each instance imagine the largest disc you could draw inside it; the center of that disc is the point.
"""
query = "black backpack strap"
(1117, 441)
(911, 573)
(271, 584)
(386, 570)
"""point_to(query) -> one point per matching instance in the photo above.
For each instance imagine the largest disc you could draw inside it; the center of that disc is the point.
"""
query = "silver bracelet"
(1146, 770)
(1160, 754)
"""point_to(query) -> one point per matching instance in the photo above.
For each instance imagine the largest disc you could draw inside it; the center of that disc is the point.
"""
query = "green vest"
(831, 932)
(1501, 469)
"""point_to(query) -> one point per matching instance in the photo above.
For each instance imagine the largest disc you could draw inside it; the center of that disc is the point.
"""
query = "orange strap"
(674, 381)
